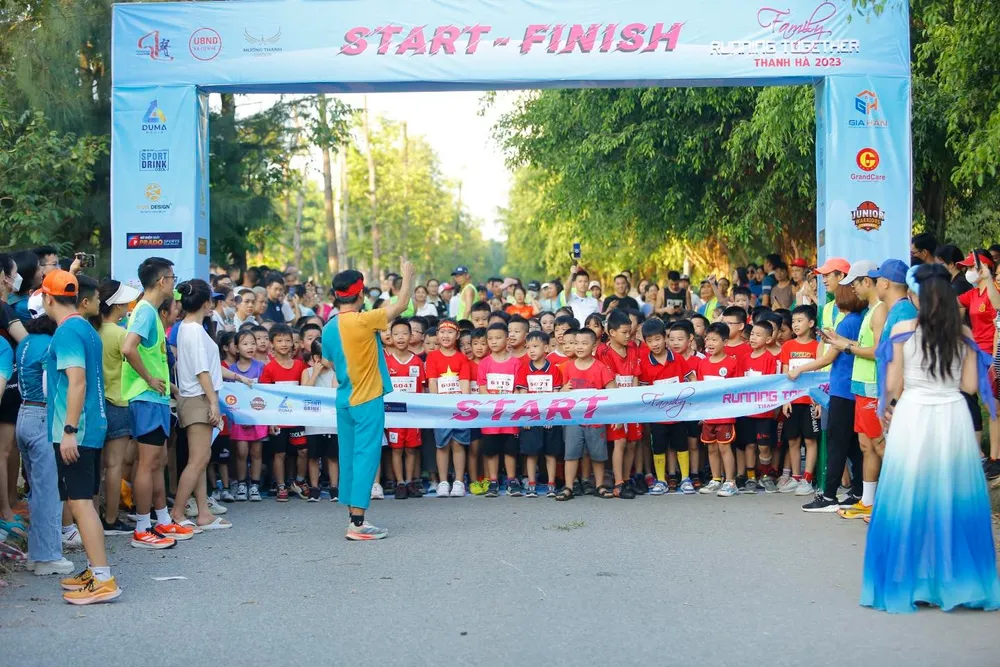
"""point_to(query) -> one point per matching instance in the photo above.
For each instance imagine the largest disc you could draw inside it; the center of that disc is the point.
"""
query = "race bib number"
(449, 385)
(539, 384)
(500, 383)
(623, 380)
(713, 378)
(751, 374)
(287, 382)
(667, 381)
(474, 386)
(797, 363)
(404, 384)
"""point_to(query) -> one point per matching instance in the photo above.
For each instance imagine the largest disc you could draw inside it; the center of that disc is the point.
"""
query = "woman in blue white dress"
(930, 539)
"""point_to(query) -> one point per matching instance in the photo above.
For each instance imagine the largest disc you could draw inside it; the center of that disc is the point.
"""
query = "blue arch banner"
(167, 56)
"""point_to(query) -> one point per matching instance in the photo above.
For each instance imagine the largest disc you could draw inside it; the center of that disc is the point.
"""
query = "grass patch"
(572, 525)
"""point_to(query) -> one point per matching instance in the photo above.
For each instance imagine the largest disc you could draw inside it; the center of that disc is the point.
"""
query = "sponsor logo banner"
(689, 401)
(154, 159)
(153, 241)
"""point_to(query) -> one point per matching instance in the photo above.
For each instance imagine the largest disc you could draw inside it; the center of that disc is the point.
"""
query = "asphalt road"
(671, 580)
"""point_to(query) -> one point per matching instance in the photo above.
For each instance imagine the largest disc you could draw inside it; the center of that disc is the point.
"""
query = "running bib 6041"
(405, 384)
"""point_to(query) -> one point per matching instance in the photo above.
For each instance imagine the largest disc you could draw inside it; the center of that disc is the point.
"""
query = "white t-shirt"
(427, 310)
(196, 353)
(453, 306)
(582, 307)
(327, 379)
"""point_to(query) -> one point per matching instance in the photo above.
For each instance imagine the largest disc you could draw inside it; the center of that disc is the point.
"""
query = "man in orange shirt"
(351, 343)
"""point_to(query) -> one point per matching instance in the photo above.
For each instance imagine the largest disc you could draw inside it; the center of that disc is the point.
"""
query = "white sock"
(163, 517)
(66, 530)
(101, 573)
(142, 523)
(868, 493)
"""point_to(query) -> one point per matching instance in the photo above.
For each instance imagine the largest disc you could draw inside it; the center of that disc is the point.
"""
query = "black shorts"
(755, 431)
(693, 429)
(289, 440)
(802, 423)
(10, 404)
(221, 449)
(670, 436)
(972, 400)
(80, 480)
(323, 446)
(502, 443)
(156, 437)
(539, 440)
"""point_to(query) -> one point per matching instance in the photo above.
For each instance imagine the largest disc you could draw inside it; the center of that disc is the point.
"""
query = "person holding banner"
(351, 343)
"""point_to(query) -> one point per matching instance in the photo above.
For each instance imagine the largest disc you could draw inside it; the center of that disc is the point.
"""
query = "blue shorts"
(119, 421)
(444, 436)
(150, 422)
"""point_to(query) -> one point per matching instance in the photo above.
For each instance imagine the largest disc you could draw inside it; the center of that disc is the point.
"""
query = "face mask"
(17, 282)
(229, 313)
(972, 276)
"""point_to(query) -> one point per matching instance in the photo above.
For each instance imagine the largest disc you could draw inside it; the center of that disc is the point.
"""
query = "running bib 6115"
(501, 383)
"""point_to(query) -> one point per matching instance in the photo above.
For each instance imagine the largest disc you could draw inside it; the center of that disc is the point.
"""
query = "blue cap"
(460, 271)
(893, 270)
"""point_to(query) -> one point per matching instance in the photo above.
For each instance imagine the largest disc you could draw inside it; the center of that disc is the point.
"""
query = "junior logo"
(154, 47)
(868, 217)
(205, 44)
(154, 160)
(257, 403)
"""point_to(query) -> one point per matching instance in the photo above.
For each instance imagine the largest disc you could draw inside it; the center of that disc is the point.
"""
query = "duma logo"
(154, 120)
(284, 405)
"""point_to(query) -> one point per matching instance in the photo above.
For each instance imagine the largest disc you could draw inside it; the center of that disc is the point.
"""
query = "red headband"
(353, 290)
(448, 325)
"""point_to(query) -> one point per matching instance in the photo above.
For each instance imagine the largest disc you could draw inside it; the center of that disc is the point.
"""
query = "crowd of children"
(132, 409)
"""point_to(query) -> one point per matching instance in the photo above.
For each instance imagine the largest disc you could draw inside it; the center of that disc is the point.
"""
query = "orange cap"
(60, 283)
(834, 264)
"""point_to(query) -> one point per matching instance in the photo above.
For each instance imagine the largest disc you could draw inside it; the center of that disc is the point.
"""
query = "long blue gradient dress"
(931, 538)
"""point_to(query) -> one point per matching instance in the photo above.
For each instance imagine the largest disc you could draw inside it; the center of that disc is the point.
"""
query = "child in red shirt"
(538, 375)
(448, 372)
(406, 372)
(284, 369)
(758, 431)
(622, 359)
(660, 366)
(801, 415)
(497, 373)
(585, 372)
(680, 340)
(719, 434)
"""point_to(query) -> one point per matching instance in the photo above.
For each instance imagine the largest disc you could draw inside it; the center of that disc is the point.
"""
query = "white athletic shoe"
(72, 540)
(804, 488)
(712, 487)
(61, 566)
(443, 490)
(216, 507)
(457, 490)
(377, 492)
(787, 485)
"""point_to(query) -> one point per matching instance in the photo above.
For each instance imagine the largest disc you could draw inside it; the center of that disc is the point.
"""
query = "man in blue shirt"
(77, 426)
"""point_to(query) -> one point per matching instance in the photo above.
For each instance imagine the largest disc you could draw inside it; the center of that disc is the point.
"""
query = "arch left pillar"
(159, 179)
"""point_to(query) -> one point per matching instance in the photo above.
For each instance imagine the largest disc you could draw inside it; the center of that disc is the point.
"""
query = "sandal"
(14, 528)
(565, 494)
(605, 492)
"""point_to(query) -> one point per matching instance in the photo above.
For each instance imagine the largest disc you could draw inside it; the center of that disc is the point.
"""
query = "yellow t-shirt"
(352, 344)
(112, 336)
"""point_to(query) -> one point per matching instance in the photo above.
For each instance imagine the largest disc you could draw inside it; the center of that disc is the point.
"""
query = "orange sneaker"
(78, 581)
(174, 530)
(94, 591)
(150, 540)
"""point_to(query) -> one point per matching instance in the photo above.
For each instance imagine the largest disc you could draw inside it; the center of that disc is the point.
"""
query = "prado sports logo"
(866, 103)
(868, 217)
(205, 44)
(154, 121)
(868, 161)
(154, 196)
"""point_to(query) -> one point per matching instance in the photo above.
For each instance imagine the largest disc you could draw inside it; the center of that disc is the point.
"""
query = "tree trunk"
(332, 245)
(376, 270)
(342, 203)
(932, 200)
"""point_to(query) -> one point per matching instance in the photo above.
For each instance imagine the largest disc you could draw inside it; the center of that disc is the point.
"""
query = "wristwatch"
(70, 430)
(850, 347)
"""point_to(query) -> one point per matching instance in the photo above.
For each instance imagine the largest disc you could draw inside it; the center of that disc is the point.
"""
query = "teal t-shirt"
(144, 325)
(6, 360)
(77, 345)
(32, 355)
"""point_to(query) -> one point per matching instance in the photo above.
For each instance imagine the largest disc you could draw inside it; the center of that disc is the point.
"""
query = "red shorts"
(718, 434)
(866, 420)
(627, 432)
(404, 438)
